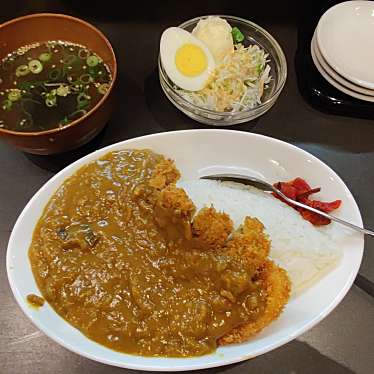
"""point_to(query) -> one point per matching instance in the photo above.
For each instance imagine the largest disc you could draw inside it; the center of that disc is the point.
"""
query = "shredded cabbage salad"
(236, 84)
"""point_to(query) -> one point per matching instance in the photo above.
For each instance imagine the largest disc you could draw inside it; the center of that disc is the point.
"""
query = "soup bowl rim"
(113, 72)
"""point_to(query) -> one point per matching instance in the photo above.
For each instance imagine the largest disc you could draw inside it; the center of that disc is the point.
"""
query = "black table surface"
(342, 342)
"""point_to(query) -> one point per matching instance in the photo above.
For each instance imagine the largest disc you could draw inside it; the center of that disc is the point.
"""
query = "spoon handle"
(323, 214)
(267, 187)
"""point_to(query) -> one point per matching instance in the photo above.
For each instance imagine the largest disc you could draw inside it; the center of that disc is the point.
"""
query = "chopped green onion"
(44, 57)
(103, 88)
(51, 102)
(83, 104)
(83, 54)
(7, 105)
(93, 71)
(14, 95)
(237, 35)
(77, 114)
(22, 70)
(54, 74)
(68, 60)
(35, 66)
(92, 60)
(64, 122)
(82, 97)
(85, 78)
(83, 100)
(62, 90)
(51, 99)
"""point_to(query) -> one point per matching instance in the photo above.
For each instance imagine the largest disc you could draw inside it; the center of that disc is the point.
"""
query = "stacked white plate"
(342, 48)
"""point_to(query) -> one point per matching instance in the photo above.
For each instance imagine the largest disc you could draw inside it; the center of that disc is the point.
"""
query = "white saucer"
(345, 35)
(329, 70)
(335, 83)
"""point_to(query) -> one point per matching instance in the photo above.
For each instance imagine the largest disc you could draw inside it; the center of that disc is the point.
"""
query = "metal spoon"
(267, 187)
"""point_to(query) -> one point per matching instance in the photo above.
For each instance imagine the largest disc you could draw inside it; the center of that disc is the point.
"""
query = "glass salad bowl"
(253, 34)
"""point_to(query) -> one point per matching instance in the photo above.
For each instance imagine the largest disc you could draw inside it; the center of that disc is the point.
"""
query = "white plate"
(345, 35)
(332, 81)
(198, 152)
(333, 74)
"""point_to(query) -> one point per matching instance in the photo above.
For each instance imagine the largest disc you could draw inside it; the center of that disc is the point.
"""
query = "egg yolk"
(190, 60)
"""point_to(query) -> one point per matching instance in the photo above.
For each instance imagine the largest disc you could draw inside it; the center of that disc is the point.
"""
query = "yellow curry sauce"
(109, 261)
(35, 301)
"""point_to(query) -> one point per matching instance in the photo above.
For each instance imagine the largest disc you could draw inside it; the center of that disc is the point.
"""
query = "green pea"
(22, 70)
(35, 66)
(92, 60)
(44, 57)
(14, 95)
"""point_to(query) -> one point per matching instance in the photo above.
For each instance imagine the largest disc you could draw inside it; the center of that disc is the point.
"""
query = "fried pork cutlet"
(277, 288)
(174, 211)
(249, 241)
(164, 174)
(211, 229)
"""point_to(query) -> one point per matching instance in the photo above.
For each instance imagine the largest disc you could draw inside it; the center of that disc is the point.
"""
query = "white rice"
(305, 251)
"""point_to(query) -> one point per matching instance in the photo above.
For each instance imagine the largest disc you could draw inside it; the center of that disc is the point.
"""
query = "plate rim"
(223, 362)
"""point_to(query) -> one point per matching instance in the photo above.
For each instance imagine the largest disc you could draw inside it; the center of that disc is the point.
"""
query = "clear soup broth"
(50, 84)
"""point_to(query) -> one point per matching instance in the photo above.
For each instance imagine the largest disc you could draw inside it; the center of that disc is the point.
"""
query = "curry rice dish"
(121, 254)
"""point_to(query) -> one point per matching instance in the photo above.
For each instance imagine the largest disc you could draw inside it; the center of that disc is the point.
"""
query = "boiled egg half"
(186, 60)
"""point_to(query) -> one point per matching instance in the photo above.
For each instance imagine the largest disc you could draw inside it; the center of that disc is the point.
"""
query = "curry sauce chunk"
(120, 253)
